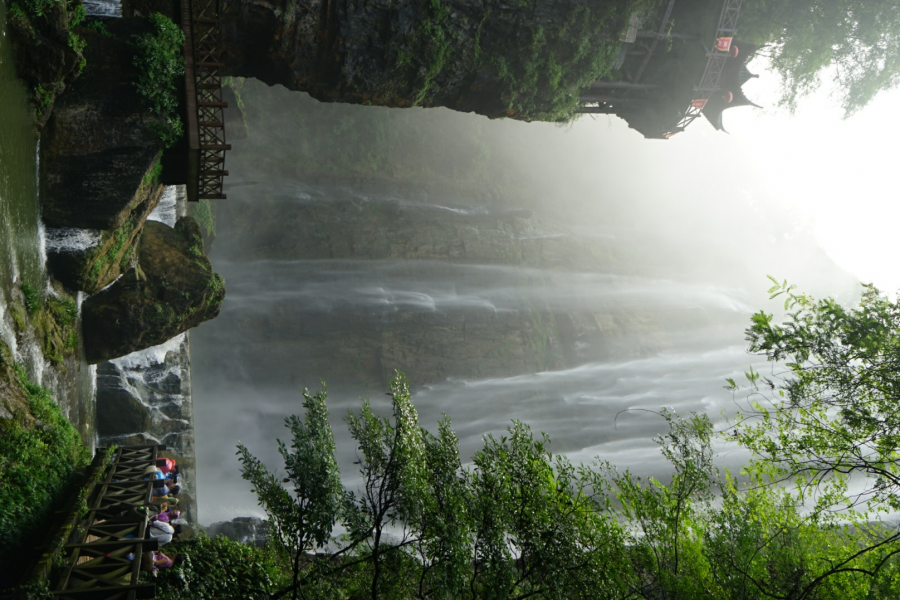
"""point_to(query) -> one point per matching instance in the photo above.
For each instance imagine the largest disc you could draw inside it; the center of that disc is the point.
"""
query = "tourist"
(165, 464)
(163, 532)
(167, 516)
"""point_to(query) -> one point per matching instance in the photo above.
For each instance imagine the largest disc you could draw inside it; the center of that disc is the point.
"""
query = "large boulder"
(172, 289)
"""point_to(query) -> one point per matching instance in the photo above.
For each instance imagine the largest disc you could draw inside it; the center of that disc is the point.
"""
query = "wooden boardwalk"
(200, 21)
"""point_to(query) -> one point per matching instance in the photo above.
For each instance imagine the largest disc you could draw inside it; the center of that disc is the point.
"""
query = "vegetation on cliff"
(40, 455)
(48, 52)
(539, 67)
(53, 320)
(160, 59)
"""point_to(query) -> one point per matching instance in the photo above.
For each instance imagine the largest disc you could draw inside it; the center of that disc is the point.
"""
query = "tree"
(304, 520)
(854, 42)
(831, 417)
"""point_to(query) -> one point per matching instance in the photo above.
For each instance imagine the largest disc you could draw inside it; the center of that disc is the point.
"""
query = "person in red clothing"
(165, 464)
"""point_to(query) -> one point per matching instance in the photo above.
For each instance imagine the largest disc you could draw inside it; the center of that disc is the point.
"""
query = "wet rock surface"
(97, 147)
(246, 530)
(493, 58)
(172, 289)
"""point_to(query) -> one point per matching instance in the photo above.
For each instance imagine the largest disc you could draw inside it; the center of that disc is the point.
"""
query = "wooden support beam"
(215, 146)
(214, 173)
(222, 104)
(213, 196)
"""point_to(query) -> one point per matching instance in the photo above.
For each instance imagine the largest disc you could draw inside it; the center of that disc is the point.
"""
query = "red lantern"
(728, 97)
(723, 44)
(734, 52)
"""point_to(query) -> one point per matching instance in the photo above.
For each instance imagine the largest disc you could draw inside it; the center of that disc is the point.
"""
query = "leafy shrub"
(38, 462)
(160, 59)
(215, 568)
(32, 298)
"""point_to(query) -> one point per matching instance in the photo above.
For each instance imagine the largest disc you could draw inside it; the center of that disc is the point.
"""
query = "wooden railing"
(102, 560)
(200, 21)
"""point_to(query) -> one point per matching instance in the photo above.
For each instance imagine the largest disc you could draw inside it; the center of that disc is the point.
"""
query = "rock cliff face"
(97, 148)
(246, 530)
(496, 58)
(172, 289)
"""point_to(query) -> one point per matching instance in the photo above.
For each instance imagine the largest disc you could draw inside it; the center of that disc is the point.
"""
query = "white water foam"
(151, 356)
(167, 209)
(103, 8)
(69, 239)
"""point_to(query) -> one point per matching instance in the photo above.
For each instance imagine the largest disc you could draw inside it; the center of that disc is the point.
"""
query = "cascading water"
(103, 8)
(167, 209)
(145, 398)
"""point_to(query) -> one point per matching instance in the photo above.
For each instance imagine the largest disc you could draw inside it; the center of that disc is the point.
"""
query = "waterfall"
(145, 397)
(70, 239)
(167, 209)
(103, 8)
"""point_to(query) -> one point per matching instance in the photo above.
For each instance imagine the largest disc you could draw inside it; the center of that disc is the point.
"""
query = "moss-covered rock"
(172, 289)
(526, 59)
(93, 269)
(48, 55)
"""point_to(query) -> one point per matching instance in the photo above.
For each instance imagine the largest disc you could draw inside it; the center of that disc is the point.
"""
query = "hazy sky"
(835, 176)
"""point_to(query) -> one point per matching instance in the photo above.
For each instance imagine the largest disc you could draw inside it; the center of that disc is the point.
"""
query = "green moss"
(32, 298)
(151, 177)
(40, 454)
(160, 59)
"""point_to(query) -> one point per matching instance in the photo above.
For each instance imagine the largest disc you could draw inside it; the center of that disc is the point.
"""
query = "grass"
(40, 455)
(151, 177)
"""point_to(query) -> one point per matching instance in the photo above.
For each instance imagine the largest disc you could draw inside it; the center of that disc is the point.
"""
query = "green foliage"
(151, 177)
(833, 410)
(40, 454)
(32, 297)
(855, 43)
(202, 212)
(521, 523)
(217, 568)
(100, 27)
(78, 15)
(300, 519)
(159, 56)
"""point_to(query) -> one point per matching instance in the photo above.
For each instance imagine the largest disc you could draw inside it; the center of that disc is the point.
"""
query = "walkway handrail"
(201, 22)
(97, 563)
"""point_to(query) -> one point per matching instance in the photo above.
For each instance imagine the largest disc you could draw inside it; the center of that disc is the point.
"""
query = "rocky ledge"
(526, 60)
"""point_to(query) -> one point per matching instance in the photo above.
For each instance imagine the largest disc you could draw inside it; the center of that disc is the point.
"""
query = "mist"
(571, 277)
